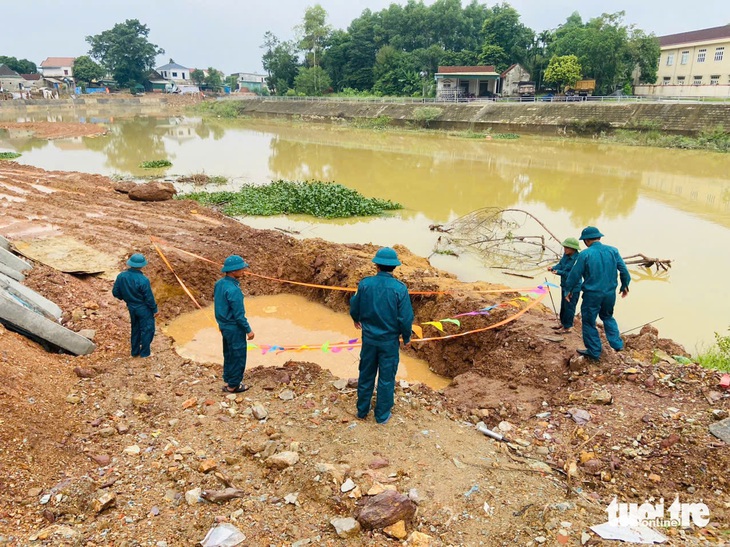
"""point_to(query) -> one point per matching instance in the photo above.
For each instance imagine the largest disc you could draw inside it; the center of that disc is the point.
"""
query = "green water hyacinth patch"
(315, 198)
(9, 155)
(155, 164)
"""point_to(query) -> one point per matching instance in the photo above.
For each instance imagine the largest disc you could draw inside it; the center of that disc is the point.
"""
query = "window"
(719, 52)
(680, 80)
(715, 80)
(670, 59)
(697, 80)
(701, 54)
(174, 74)
(685, 58)
(183, 76)
(667, 80)
(65, 72)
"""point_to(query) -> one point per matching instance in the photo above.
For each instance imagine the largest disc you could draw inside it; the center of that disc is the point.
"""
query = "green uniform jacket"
(228, 300)
(563, 267)
(134, 288)
(597, 267)
(383, 307)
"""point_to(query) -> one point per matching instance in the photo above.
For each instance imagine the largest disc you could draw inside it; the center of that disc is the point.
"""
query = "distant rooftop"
(171, 66)
(58, 62)
(5, 70)
(702, 35)
(485, 69)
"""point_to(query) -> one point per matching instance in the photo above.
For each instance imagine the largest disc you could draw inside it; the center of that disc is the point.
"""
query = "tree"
(502, 28)
(125, 52)
(281, 63)
(197, 76)
(86, 70)
(313, 32)
(21, 66)
(311, 81)
(563, 71)
(232, 82)
(214, 79)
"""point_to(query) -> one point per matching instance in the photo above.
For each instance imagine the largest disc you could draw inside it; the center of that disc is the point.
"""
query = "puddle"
(285, 319)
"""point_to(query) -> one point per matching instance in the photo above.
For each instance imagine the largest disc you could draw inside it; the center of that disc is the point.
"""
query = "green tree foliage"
(214, 79)
(312, 81)
(125, 51)
(197, 76)
(86, 70)
(280, 62)
(563, 71)
(502, 29)
(232, 82)
(313, 33)
(608, 50)
(21, 66)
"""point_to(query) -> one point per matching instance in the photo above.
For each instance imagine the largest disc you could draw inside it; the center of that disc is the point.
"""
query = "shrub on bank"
(219, 109)
(316, 198)
(9, 155)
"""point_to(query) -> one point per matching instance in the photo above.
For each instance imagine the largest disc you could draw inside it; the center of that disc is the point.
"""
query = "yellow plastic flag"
(436, 324)
(418, 331)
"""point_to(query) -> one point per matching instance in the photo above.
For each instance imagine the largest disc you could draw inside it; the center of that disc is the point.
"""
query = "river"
(671, 204)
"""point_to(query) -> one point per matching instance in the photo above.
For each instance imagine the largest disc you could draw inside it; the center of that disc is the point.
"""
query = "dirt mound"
(117, 457)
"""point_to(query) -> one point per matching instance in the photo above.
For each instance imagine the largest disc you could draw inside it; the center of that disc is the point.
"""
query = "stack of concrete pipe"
(27, 312)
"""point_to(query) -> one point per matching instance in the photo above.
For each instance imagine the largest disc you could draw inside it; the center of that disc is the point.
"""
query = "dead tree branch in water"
(514, 239)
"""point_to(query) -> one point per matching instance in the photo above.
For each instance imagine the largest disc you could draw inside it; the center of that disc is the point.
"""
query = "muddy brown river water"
(672, 204)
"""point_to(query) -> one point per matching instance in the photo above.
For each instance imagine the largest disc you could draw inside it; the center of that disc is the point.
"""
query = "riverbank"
(149, 432)
(544, 118)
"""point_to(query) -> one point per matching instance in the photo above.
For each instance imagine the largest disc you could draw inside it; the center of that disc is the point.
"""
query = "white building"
(58, 67)
(174, 72)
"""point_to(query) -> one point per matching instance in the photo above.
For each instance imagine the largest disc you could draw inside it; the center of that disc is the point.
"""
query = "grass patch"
(316, 198)
(506, 136)
(717, 357)
(377, 124)
(468, 134)
(9, 155)
(219, 109)
(717, 139)
(155, 164)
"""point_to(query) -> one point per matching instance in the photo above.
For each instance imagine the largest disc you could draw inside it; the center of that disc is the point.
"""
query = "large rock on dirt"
(152, 191)
(346, 527)
(386, 509)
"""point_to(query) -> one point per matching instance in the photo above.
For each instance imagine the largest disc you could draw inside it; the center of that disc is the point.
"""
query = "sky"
(227, 34)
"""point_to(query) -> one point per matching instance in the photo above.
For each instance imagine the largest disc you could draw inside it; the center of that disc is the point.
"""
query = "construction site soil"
(105, 449)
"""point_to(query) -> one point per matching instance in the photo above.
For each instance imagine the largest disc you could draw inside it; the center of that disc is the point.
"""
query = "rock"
(292, 499)
(352, 383)
(347, 485)
(340, 384)
(721, 430)
(385, 509)
(378, 463)
(101, 459)
(286, 395)
(378, 488)
(84, 372)
(193, 496)
(254, 446)
(73, 399)
(189, 403)
(35, 492)
(259, 412)
(346, 527)
(56, 532)
(122, 428)
(106, 500)
(505, 427)
(206, 466)
(152, 191)
(107, 432)
(586, 456)
(580, 416)
(140, 400)
(585, 537)
(670, 441)
(124, 186)
(540, 539)
(419, 539)
(719, 414)
(218, 496)
(282, 460)
(653, 477)
(88, 333)
(133, 450)
(593, 467)
(602, 397)
(397, 530)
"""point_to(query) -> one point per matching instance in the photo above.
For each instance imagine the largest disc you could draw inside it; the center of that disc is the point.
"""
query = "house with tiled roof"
(511, 79)
(58, 67)
(693, 64)
(10, 80)
(466, 82)
(174, 72)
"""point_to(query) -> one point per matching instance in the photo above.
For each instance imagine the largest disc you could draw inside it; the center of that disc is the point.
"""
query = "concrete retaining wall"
(519, 117)
(87, 105)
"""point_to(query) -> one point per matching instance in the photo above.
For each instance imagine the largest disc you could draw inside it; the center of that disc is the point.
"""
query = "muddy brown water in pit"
(672, 204)
(285, 319)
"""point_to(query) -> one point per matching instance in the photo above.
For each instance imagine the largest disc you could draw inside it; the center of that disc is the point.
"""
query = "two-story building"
(58, 67)
(250, 81)
(693, 64)
(174, 72)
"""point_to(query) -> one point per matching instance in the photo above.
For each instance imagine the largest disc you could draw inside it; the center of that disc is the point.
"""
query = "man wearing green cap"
(596, 267)
(230, 314)
(134, 288)
(382, 308)
(571, 248)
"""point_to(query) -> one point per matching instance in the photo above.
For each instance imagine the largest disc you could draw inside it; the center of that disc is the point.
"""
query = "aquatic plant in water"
(9, 155)
(155, 164)
(316, 198)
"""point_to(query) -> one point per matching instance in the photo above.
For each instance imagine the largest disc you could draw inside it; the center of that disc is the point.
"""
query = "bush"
(155, 164)
(424, 115)
(718, 356)
(219, 109)
(378, 124)
(9, 155)
(316, 198)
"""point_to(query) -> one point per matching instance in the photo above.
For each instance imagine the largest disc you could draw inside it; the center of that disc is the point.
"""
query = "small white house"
(466, 82)
(58, 67)
(511, 79)
(174, 72)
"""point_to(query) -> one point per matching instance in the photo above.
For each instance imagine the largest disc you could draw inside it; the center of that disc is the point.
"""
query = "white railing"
(483, 100)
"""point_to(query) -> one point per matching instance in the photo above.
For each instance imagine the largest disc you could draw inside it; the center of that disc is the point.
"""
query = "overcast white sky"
(226, 34)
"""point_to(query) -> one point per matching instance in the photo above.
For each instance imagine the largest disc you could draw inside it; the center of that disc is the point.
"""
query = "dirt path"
(73, 437)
